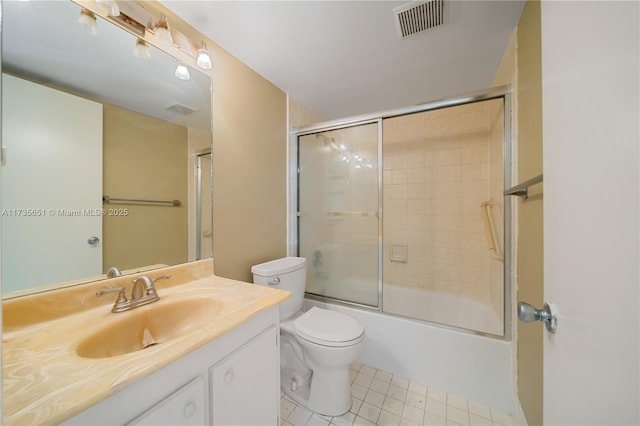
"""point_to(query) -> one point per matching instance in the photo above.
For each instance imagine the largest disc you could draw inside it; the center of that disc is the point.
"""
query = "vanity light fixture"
(88, 18)
(141, 49)
(182, 72)
(110, 7)
(204, 60)
(162, 32)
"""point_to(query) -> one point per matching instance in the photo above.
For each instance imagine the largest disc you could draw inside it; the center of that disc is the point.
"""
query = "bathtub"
(474, 367)
(453, 310)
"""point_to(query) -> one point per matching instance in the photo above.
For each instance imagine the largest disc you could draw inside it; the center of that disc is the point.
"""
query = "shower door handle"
(527, 313)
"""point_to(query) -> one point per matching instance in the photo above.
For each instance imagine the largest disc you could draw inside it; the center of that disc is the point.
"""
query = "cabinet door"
(186, 406)
(245, 385)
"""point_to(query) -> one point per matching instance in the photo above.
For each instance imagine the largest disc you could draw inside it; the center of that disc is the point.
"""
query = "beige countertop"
(45, 381)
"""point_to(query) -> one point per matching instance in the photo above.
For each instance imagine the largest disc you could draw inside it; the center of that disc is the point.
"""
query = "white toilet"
(316, 347)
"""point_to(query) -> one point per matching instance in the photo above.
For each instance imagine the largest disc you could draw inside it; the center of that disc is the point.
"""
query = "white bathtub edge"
(465, 365)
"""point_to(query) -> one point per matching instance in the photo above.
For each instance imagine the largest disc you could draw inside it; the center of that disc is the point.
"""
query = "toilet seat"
(328, 328)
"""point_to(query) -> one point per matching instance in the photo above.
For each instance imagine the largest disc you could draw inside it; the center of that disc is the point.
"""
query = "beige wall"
(249, 169)
(530, 225)
(144, 158)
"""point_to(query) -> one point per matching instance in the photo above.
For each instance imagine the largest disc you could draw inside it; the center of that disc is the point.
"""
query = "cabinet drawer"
(186, 406)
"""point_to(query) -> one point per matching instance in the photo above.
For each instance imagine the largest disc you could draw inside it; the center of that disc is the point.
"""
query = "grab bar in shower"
(522, 190)
(106, 199)
(490, 231)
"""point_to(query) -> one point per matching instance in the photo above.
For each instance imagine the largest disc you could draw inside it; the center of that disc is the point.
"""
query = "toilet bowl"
(316, 347)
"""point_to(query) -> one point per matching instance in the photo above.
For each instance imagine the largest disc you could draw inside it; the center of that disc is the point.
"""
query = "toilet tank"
(288, 273)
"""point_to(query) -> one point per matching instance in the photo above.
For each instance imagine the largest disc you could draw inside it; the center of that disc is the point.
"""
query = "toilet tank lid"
(279, 266)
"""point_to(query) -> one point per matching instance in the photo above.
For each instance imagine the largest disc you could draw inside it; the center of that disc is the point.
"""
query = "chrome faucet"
(142, 293)
(113, 272)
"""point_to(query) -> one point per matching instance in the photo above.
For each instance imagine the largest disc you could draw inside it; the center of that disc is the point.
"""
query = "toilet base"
(321, 406)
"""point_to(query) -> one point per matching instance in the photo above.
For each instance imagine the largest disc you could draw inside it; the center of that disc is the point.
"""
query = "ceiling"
(345, 58)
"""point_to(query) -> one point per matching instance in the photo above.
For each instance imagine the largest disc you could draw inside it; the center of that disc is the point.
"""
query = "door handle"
(93, 241)
(527, 313)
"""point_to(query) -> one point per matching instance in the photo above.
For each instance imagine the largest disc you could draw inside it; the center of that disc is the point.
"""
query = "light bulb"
(182, 72)
(141, 49)
(89, 19)
(162, 31)
(110, 7)
(204, 60)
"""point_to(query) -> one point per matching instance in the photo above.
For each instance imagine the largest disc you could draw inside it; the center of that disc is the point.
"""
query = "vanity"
(206, 353)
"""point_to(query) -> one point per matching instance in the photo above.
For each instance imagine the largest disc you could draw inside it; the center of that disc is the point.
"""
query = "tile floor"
(380, 398)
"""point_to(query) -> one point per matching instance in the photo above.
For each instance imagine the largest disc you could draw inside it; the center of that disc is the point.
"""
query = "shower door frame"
(502, 92)
(198, 189)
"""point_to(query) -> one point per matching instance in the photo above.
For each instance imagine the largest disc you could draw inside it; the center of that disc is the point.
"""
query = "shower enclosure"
(404, 212)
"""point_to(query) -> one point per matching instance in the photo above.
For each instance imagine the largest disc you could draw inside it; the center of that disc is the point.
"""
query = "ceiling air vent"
(181, 109)
(418, 16)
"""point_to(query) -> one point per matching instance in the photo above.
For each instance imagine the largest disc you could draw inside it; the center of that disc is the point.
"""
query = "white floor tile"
(355, 365)
(418, 388)
(388, 419)
(344, 420)
(355, 405)
(437, 394)
(362, 422)
(382, 399)
(369, 412)
(479, 410)
(436, 407)
(431, 419)
(299, 416)
(317, 420)
(286, 407)
(413, 414)
(363, 379)
(397, 393)
(475, 420)
(457, 415)
(457, 402)
(393, 406)
(374, 398)
(384, 376)
(501, 418)
(416, 400)
(368, 370)
(380, 385)
(358, 391)
(401, 382)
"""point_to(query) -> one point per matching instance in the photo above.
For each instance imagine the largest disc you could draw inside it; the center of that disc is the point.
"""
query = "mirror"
(98, 143)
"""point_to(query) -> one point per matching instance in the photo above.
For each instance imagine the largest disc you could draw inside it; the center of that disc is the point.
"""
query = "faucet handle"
(165, 276)
(122, 299)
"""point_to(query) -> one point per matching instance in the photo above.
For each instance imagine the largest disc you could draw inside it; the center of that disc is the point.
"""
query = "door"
(52, 230)
(338, 205)
(590, 108)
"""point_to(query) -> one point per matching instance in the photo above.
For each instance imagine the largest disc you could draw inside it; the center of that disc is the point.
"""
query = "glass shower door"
(338, 205)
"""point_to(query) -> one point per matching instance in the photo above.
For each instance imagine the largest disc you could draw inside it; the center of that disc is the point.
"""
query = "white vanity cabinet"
(233, 380)
(186, 406)
(242, 391)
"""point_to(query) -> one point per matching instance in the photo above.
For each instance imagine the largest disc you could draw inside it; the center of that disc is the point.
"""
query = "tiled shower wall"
(439, 167)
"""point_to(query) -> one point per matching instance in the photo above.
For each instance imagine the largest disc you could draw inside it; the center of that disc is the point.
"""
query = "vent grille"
(181, 109)
(418, 16)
